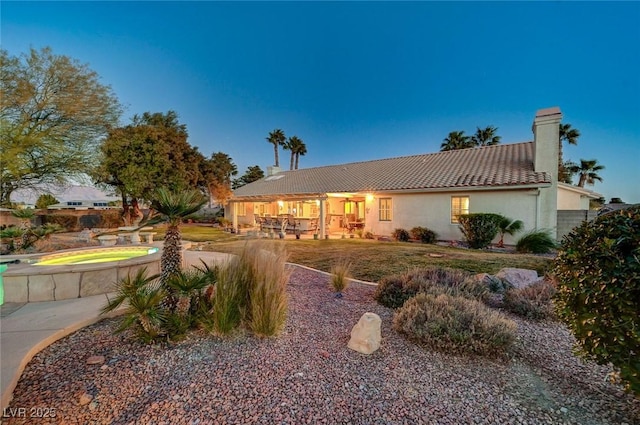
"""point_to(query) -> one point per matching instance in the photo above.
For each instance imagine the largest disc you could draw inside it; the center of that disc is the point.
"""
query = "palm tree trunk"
(297, 159)
(275, 152)
(171, 260)
(293, 154)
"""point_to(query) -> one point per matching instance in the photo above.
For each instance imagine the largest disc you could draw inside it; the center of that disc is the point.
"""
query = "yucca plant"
(143, 299)
(340, 275)
(186, 286)
(25, 216)
(508, 226)
(172, 207)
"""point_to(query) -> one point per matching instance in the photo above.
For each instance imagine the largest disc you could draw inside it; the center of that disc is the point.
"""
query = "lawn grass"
(371, 259)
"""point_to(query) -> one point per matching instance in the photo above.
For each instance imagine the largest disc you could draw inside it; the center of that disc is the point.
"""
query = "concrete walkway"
(25, 329)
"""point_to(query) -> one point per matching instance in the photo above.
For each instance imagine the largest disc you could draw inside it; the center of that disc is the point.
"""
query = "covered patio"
(312, 214)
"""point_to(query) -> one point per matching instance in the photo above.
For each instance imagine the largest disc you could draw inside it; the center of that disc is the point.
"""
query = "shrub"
(532, 301)
(143, 298)
(479, 229)
(598, 272)
(508, 226)
(536, 242)
(369, 235)
(268, 293)
(424, 234)
(454, 324)
(68, 222)
(340, 274)
(45, 200)
(394, 291)
(229, 301)
(497, 285)
(110, 219)
(400, 235)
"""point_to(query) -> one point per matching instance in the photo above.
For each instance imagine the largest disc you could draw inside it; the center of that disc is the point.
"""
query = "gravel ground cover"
(309, 376)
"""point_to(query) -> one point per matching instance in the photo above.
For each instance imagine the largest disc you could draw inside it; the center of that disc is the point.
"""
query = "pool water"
(102, 255)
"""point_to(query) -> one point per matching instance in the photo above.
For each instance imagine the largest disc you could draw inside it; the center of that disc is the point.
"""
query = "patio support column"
(322, 220)
(234, 215)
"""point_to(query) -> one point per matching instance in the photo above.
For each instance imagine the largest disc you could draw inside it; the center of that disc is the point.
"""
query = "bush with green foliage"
(394, 291)
(45, 200)
(423, 234)
(400, 235)
(454, 325)
(369, 235)
(533, 301)
(536, 242)
(598, 273)
(479, 229)
(66, 221)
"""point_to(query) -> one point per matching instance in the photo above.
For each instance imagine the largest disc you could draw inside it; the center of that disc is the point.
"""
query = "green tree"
(172, 207)
(151, 152)
(217, 172)
(456, 140)
(45, 200)
(587, 171)
(277, 139)
(485, 136)
(252, 174)
(53, 113)
(570, 136)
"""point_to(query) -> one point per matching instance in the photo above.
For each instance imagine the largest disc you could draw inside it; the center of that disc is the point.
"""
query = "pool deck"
(27, 328)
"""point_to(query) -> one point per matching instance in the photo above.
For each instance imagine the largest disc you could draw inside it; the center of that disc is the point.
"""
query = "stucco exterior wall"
(571, 200)
(433, 210)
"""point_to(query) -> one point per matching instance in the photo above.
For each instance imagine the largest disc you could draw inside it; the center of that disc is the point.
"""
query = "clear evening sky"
(360, 80)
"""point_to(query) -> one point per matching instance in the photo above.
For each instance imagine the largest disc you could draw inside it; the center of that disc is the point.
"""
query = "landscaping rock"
(85, 399)
(95, 360)
(366, 335)
(519, 278)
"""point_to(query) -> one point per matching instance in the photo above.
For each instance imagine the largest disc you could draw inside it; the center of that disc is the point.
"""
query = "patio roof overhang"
(279, 197)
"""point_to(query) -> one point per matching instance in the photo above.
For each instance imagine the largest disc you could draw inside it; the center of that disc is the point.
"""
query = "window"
(459, 205)
(385, 209)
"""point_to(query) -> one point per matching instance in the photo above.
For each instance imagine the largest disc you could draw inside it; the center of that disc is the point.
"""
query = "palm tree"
(507, 226)
(587, 170)
(288, 146)
(569, 135)
(276, 138)
(456, 140)
(301, 150)
(172, 208)
(486, 136)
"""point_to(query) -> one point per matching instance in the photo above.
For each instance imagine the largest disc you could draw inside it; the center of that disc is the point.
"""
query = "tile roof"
(490, 166)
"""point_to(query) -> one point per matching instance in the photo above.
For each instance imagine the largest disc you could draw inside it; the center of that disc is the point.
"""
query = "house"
(517, 180)
(92, 204)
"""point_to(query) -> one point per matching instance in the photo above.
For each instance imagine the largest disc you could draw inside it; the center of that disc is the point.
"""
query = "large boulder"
(366, 335)
(518, 278)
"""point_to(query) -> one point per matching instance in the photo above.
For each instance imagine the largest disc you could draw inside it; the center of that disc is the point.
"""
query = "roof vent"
(272, 170)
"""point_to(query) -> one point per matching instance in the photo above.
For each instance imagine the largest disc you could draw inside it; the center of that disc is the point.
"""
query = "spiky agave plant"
(143, 299)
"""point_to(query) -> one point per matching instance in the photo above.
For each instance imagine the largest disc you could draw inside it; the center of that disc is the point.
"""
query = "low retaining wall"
(30, 283)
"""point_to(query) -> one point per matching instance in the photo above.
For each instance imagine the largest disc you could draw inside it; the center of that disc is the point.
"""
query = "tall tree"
(288, 146)
(252, 174)
(456, 140)
(217, 172)
(485, 136)
(587, 171)
(53, 113)
(151, 152)
(300, 151)
(277, 139)
(570, 136)
(297, 147)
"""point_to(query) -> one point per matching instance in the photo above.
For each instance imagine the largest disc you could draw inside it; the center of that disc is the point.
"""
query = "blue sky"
(360, 80)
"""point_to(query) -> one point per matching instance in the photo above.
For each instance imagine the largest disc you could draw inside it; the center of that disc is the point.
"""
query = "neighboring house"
(82, 205)
(517, 180)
